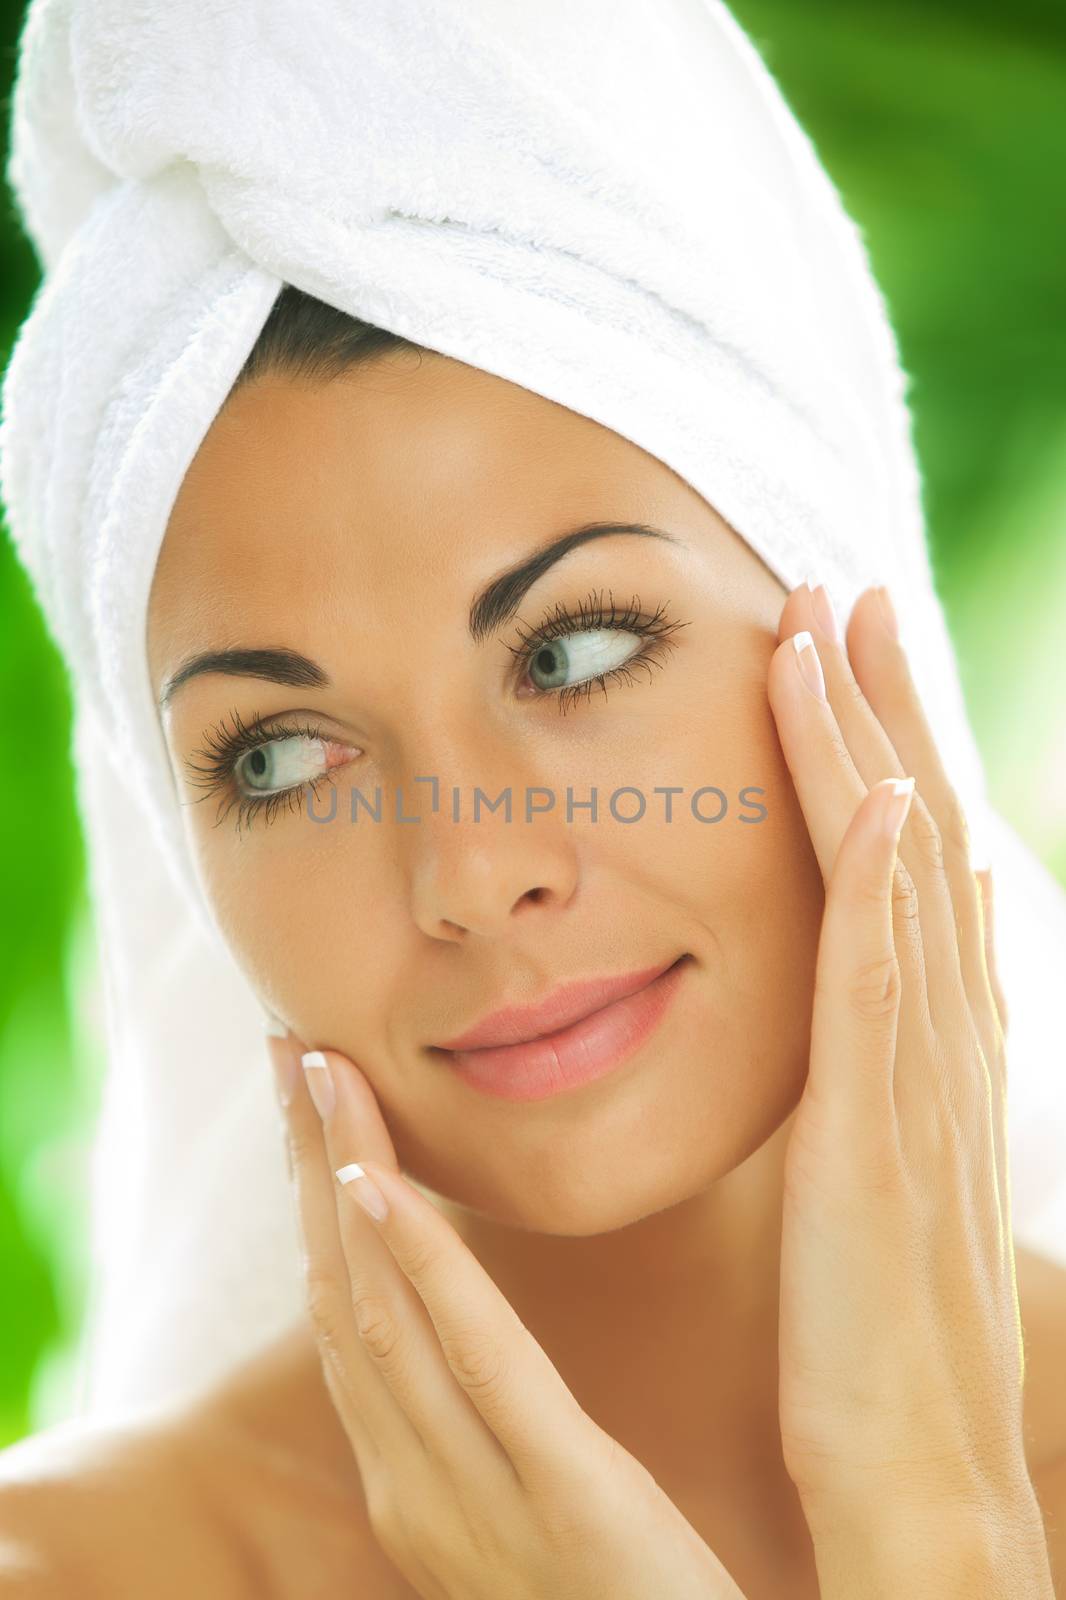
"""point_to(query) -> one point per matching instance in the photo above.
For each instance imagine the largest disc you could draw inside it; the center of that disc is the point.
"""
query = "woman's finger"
(859, 985)
(988, 926)
(373, 1421)
(830, 791)
(431, 1379)
(884, 723)
(882, 669)
(883, 696)
(875, 755)
(494, 1359)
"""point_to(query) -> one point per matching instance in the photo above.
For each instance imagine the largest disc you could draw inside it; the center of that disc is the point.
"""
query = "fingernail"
(823, 609)
(366, 1194)
(285, 1066)
(809, 664)
(896, 805)
(319, 1082)
(888, 611)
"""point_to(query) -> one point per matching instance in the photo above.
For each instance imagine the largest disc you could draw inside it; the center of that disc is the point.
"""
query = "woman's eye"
(281, 764)
(258, 768)
(574, 657)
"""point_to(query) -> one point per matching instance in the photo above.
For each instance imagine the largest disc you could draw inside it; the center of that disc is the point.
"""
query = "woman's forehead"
(429, 470)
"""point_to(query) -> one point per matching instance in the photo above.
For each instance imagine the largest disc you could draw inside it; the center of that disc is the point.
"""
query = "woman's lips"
(572, 1002)
(575, 1054)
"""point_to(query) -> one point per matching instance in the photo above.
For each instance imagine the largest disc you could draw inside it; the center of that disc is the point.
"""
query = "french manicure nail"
(366, 1193)
(897, 805)
(809, 664)
(823, 609)
(319, 1082)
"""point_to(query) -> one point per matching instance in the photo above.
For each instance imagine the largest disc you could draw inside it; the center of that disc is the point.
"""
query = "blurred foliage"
(943, 127)
(47, 1098)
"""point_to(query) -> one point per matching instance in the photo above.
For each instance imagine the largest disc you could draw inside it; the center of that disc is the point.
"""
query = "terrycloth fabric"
(604, 201)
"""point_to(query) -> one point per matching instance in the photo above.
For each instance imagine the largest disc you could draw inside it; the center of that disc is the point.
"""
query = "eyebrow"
(495, 604)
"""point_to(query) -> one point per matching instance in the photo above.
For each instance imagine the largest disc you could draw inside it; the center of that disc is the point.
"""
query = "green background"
(944, 128)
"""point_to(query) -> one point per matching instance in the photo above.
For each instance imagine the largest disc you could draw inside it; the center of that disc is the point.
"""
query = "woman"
(707, 1296)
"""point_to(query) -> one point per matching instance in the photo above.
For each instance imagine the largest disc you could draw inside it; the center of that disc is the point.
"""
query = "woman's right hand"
(484, 1479)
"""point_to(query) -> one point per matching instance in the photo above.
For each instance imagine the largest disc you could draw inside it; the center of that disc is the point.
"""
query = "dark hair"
(303, 337)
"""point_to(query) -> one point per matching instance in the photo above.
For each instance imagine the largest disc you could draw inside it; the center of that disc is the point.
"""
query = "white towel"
(607, 202)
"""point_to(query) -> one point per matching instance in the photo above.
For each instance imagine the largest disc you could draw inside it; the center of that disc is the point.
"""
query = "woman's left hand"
(900, 1347)
(481, 1474)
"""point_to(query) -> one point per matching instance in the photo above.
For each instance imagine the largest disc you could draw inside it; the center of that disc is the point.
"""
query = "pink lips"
(595, 1026)
(519, 1024)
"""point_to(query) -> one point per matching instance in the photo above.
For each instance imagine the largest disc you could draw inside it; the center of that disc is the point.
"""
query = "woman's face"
(355, 522)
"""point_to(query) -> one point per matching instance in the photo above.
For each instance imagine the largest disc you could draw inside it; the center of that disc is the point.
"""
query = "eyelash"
(225, 747)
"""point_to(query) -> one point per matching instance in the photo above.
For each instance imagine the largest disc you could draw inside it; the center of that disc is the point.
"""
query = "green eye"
(569, 655)
(281, 763)
(586, 654)
(259, 768)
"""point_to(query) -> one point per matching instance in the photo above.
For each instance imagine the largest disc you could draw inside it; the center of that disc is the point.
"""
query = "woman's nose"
(476, 874)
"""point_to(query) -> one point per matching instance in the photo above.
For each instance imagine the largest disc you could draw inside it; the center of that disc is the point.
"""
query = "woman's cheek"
(270, 901)
(756, 887)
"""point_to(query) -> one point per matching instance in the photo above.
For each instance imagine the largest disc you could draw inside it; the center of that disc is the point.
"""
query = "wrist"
(931, 1549)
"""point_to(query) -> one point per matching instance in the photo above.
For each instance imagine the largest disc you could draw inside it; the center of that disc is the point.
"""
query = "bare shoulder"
(272, 1451)
(251, 1491)
(99, 1509)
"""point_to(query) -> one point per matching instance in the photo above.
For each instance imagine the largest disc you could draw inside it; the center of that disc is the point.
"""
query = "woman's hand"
(900, 1347)
(483, 1477)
